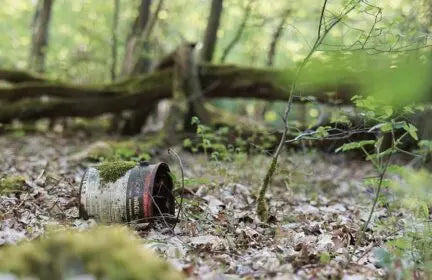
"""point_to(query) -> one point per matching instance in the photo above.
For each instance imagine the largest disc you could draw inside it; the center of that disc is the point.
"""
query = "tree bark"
(210, 36)
(40, 27)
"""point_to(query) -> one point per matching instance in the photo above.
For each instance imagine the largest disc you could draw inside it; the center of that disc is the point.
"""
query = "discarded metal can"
(141, 194)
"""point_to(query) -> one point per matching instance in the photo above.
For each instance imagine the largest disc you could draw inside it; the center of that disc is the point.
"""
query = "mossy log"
(25, 100)
(16, 77)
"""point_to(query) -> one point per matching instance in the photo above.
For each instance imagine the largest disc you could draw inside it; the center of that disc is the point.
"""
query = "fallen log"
(217, 82)
(16, 77)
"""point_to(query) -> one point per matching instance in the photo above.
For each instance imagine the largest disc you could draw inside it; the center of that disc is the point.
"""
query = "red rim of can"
(150, 189)
(149, 182)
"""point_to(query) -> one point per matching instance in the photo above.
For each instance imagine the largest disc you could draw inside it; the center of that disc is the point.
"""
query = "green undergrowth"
(228, 143)
(11, 184)
(102, 252)
(134, 149)
(110, 171)
(411, 251)
(123, 150)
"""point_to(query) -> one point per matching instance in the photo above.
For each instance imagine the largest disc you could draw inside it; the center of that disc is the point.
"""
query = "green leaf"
(412, 130)
(195, 120)
(354, 145)
(383, 256)
(380, 155)
(325, 258)
(388, 112)
(187, 143)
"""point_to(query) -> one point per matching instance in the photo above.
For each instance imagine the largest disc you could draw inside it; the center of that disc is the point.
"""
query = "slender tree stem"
(359, 240)
(171, 151)
(114, 39)
(239, 31)
(262, 208)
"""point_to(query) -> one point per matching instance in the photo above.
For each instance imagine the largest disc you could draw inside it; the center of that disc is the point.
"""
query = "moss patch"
(110, 171)
(123, 150)
(10, 184)
(103, 252)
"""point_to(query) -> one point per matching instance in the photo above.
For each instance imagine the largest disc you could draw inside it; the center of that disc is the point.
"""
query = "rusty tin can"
(141, 194)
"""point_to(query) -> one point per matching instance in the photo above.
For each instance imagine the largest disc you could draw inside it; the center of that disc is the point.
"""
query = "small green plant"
(413, 249)
(214, 142)
(379, 152)
(123, 150)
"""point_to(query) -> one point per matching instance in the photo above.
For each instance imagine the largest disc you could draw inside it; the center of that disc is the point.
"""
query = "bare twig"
(171, 151)
(373, 244)
(163, 216)
(341, 135)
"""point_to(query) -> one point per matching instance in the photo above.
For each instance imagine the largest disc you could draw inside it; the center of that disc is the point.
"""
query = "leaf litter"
(317, 201)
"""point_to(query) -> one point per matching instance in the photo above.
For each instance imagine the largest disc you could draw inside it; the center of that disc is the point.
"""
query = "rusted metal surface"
(142, 194)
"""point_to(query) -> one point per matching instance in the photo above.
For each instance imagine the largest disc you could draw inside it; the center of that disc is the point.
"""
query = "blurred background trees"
(80, 31)
(95, 42)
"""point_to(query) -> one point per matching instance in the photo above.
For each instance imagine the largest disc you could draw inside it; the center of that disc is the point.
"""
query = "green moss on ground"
(123, 150)
(103, 252)
(10, 184)
(110, 171)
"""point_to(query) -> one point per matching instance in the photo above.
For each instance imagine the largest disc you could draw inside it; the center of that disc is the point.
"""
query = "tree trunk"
(137, 119)
(210, 36)
(144, 62)
(114, 39)
(187, 98)
(133, 47)
(39, 42)
(275, 38)
(239, 31)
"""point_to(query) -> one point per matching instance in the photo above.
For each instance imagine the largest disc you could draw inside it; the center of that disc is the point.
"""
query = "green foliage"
(103, 252)
(397, 80)
(215, 142)
(325, 258)
(355, 145)
(11, 184)
(410, 253)
(110, 171)
(123, 150)
(425, 150)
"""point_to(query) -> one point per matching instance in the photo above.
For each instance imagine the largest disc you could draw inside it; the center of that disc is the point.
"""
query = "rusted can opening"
(142, 194)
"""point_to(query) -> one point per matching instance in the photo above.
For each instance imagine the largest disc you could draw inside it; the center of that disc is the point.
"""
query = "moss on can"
(110, 171)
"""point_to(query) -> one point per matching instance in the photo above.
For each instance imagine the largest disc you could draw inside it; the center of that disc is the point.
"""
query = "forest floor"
(318, 203)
